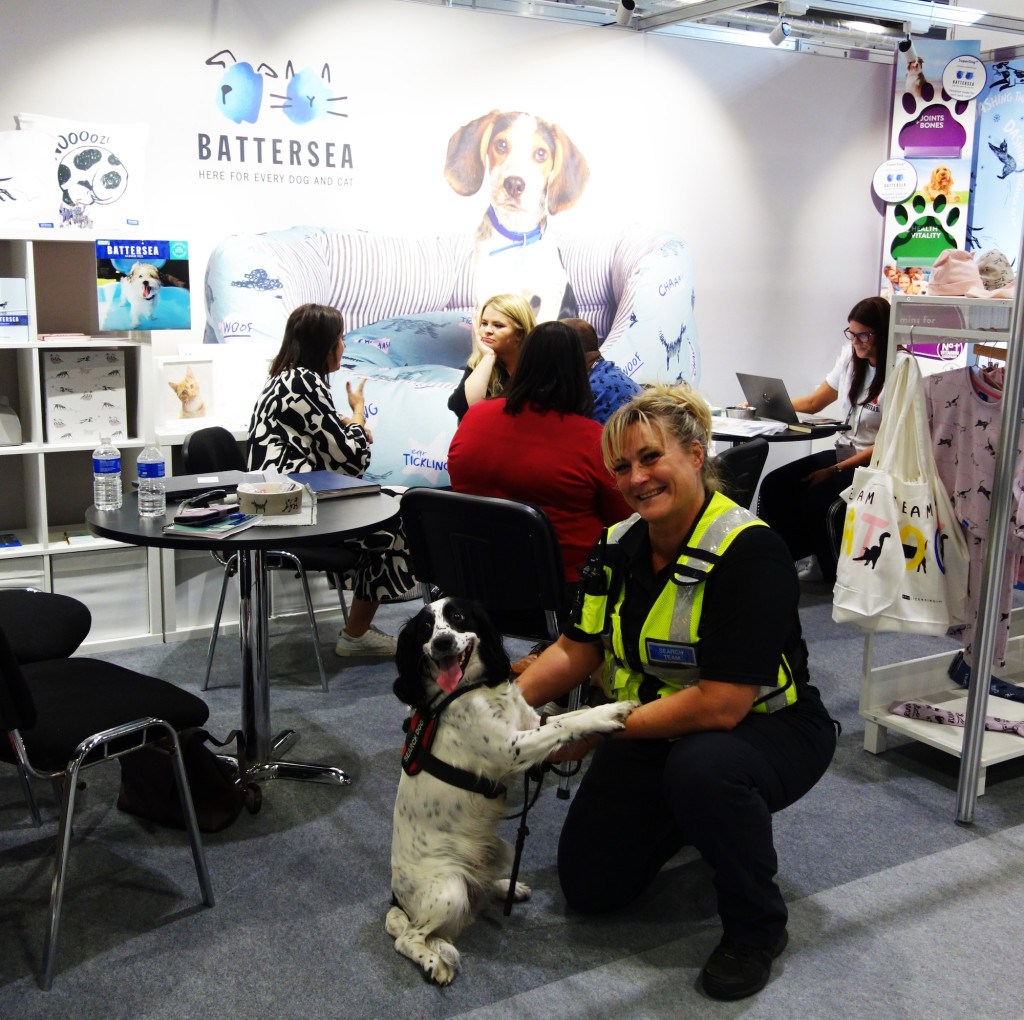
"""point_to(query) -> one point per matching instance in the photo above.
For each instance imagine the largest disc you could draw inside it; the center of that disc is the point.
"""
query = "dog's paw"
(624, 707)
(523, 891)
(442, 962)
(609, 718)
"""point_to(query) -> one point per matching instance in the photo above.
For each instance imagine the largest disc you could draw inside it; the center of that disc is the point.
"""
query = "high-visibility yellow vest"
(669, 637)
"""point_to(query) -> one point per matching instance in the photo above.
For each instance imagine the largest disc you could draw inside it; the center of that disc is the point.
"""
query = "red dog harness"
(421, 729)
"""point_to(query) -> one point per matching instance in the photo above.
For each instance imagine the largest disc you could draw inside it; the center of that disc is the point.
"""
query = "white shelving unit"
(136, 595)
(943, 320)
(48, 484)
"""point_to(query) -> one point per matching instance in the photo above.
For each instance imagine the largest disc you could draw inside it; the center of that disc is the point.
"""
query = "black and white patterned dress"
(295, 427)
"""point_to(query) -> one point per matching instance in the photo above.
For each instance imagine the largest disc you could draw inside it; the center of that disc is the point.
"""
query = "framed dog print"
(143, 285)
(185, 392)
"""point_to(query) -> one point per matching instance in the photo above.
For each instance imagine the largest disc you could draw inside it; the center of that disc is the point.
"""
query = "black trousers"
(641, 800)
(797, 511)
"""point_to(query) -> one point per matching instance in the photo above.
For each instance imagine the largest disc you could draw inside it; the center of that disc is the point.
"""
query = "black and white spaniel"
(470, 730)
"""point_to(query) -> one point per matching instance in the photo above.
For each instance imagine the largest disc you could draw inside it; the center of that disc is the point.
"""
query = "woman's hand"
(358, 404)
(819, 476)
(479, 345)
(356, 400)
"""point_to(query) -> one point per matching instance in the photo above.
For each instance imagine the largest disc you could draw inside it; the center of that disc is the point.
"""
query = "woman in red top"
(537, 445)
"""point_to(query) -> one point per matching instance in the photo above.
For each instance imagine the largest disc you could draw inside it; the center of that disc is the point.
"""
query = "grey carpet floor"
(895, 910)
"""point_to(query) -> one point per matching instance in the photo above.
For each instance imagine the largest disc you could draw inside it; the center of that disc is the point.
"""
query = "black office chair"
(835, 522)
(215, 449)
(63, 714)
(503, 554)
(740, 467)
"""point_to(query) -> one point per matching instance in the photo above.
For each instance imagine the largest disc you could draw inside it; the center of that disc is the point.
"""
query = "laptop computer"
(184, 486)
(770, 398)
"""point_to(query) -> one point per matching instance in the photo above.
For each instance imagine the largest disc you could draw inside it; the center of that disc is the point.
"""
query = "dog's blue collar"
(518, 240)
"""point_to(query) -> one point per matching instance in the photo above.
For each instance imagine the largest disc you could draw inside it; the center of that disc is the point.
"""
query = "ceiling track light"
(780, 33)
(624, 12)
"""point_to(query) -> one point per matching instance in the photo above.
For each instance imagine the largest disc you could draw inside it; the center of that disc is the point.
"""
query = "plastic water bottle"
(106, 476)
(152, 491)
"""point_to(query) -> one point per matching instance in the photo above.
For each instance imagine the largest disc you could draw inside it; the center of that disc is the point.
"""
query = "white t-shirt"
(863, 419)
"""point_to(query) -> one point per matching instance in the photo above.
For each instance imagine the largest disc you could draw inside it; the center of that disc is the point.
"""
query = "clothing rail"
(992, 565)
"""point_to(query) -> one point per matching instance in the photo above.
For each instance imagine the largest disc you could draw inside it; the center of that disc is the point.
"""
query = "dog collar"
(518, 240)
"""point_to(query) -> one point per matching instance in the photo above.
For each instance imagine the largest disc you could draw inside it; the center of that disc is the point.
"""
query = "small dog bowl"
(740, 412)
(269, 498)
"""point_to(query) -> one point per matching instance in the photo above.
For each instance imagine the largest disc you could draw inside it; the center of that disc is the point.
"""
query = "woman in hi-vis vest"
(692, 605)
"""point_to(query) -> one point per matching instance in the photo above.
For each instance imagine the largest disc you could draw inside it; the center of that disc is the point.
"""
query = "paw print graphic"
(927, 235)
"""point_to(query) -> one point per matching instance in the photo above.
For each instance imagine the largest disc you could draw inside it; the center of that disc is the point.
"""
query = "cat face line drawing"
(187, 391)
(240, 92)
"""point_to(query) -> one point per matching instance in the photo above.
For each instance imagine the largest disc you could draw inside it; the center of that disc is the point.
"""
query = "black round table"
(337, 519)
(787, 436)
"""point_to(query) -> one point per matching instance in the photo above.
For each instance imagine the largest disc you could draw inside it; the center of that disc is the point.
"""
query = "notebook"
(333, 484)
(218, 529)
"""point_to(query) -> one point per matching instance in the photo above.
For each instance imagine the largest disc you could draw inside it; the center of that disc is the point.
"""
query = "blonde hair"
(515, 308)
(674, 410)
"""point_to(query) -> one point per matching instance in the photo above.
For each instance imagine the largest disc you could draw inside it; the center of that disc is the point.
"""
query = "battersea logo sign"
(273, 154)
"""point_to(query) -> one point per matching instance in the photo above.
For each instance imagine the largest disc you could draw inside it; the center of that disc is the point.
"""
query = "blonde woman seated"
(497, 339)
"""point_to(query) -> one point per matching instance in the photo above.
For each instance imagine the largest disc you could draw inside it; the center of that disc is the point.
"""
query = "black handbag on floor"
(148, 788)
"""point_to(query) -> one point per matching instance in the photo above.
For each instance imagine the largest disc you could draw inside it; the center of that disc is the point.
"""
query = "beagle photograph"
(529, 170)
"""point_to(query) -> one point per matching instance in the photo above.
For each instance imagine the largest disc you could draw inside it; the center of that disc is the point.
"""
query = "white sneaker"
(374, 643)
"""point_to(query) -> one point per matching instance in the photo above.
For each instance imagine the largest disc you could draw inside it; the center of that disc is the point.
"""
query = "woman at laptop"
(795, 499)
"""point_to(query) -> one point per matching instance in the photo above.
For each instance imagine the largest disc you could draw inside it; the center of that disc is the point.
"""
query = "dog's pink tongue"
(145, 290)
(451, 674)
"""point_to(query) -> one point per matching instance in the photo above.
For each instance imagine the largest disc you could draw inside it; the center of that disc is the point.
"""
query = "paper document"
(746, 428)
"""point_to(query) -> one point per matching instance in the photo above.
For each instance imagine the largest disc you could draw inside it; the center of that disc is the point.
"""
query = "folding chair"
(63, 714)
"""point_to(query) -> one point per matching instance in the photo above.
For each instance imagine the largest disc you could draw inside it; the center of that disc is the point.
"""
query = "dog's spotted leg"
(396, 922)
(438, 958)
(523, 891)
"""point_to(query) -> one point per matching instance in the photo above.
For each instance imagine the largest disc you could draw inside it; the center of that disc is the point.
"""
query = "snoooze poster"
(142, 285)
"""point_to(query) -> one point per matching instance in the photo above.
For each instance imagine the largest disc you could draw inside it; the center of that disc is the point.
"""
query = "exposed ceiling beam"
(703, 17)
(920, 15)
(689, 12)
